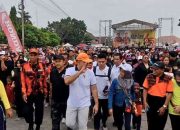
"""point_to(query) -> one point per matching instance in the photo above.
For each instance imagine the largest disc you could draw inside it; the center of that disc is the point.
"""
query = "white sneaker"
(17, 119)
(46, 104)
(105, 128)
(63, 120)
(143, 111)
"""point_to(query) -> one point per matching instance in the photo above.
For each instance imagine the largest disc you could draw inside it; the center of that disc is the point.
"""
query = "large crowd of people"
(82, 84)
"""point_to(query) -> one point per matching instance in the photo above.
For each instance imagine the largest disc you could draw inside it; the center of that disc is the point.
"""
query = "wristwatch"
(165, 106)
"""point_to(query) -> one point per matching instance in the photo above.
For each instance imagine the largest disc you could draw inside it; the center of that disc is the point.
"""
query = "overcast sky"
(91, 11)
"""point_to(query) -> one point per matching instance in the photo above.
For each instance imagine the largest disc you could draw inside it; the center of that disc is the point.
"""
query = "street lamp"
(179, 23)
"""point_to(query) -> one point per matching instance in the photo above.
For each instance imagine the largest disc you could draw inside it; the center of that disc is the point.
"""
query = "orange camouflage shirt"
(33, 79)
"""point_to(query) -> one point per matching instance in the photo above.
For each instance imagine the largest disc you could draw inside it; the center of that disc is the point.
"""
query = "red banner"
(10, 32)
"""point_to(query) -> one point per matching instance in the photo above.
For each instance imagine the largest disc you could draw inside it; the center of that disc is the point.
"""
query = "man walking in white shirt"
(102, 73)
(81, 81)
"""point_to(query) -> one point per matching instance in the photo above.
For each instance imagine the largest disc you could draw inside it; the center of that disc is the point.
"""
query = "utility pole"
(21, 7)
(106, 29)
(22, 3)
(160, 27)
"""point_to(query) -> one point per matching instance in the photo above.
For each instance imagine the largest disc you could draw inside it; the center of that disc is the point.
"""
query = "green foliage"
(34, 37)
(88, 37)
(65, 30)
(40, 37)
(13, 16)
(3, 39)
(70, 30)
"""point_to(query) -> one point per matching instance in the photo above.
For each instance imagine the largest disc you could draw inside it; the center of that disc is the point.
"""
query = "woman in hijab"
(121, 95)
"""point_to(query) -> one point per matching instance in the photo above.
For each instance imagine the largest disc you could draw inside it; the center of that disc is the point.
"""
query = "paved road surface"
(12, 124)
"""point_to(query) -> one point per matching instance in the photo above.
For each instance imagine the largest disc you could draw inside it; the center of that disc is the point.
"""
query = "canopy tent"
(176, 44)
(82, 45)
(67, 45)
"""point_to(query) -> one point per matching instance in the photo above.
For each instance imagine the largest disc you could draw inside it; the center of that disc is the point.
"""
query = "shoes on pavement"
(63, 120)
(31, 127)
(143, 111)
(104, 128)
(46, 105)
(37, 127)
(17, 119)
(114, 124)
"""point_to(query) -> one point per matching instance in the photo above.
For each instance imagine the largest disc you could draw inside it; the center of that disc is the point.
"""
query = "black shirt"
(140, 73)
(4, 74)
(60, 91)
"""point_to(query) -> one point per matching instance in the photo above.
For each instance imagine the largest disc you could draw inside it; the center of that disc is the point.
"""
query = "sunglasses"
(146, 57)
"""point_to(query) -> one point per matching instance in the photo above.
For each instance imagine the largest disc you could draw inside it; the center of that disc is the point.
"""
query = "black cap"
(173, 53)
(159, 64)
(58, 57)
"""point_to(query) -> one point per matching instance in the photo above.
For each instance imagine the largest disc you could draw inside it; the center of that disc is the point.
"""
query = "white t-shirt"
(70, 62)
(115, 72)
(95, 63)
(102, 82)
(79, 92)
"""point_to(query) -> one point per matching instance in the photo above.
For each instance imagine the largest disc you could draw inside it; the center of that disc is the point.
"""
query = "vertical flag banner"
(9, 31)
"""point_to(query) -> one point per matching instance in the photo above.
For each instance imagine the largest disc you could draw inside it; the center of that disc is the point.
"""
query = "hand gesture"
(177, 109)
(110, 112)
(13, 85)
(95, 109)
(9, 113)
(83, 69)
(25, 98)
(161, 111)
(146, 106)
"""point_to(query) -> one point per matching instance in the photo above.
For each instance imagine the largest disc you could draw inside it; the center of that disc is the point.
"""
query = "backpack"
(108, 75)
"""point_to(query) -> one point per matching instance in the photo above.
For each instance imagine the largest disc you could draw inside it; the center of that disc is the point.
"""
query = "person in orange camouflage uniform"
(34, 88)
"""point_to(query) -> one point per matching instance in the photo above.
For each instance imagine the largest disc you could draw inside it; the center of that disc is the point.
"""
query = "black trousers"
(2, 117)
(38, 101)
(156, 122)
(18, 100)
(48, 92)
(136, 121)
(122, 117)
(58, 111)
(101, 115)
(175, 120)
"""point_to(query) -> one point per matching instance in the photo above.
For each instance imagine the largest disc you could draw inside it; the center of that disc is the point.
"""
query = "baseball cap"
(158, 64)
(173, 53)
(126, 67)
(34, 50)
(83, 57)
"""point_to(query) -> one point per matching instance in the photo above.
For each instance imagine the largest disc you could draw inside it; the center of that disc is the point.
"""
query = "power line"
(44, 6)
(57, 6)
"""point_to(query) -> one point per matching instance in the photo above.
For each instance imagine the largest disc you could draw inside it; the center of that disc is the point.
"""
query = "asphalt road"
(13, 124)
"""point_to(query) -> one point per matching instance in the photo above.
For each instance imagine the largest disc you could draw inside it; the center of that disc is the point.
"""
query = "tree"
(13, 16)
(35, 37)
(88, 37)
(3, 39)
(27, 17)
(70, 30)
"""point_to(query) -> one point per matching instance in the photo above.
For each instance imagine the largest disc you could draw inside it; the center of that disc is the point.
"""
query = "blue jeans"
(122, 117)
(2, 119)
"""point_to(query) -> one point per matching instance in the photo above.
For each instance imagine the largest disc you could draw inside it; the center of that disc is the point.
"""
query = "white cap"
(2, 52)
(140, 57)
(126, 67)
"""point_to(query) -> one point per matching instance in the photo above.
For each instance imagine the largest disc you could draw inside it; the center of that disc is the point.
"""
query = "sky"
(92, 11)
